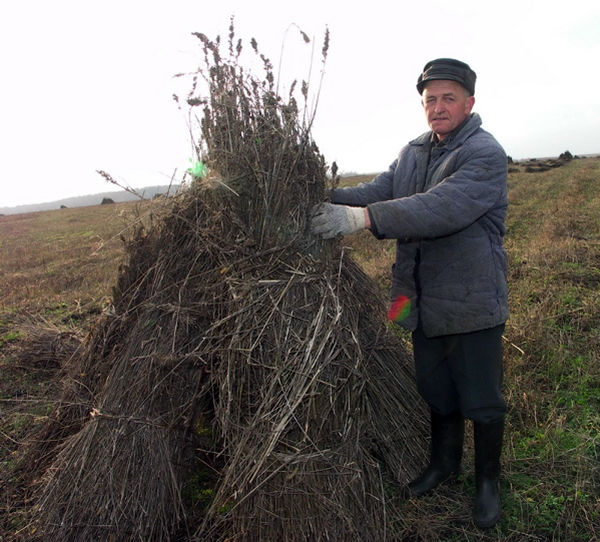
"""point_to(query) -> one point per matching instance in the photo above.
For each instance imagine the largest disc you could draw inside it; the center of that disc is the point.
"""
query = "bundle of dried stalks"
(231, 319)
(132, 397)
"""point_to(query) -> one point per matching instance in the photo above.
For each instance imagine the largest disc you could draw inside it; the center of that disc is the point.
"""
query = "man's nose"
(438, 106)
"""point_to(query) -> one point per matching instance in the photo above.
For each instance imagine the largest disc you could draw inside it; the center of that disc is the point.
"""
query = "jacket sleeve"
(478, 185)
(380, 188)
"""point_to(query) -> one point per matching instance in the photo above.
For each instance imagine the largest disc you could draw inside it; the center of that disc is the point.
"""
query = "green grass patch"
(9, 337)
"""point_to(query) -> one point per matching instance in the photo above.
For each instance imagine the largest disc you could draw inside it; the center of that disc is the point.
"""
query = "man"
(444, 200)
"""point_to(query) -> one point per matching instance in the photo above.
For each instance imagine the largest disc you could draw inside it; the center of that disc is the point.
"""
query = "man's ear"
(470, 103)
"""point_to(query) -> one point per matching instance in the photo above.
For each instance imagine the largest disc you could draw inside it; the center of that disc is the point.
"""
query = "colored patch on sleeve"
(400, 309)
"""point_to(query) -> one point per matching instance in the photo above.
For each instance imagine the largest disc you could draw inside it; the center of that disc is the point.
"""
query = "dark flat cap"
(447, 69)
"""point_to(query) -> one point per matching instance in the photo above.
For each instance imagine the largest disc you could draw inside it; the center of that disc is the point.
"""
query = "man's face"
(446, 104)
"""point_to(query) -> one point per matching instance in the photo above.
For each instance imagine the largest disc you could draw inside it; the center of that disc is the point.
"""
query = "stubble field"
(57, 269)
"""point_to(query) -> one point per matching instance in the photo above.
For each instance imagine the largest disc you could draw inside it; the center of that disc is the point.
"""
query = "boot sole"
(411, 494)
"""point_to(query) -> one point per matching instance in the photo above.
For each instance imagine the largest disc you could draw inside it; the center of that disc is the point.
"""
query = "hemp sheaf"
(230, 314)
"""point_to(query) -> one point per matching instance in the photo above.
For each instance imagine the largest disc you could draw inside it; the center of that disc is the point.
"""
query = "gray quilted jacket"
(447, 213)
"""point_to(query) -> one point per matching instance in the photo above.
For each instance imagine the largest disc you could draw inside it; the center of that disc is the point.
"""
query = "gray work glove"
(328, 220)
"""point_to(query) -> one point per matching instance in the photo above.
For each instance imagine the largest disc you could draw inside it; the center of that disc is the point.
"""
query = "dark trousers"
(461, 372)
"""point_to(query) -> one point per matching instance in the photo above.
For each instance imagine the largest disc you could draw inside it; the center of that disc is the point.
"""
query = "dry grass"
(551, 456)
(60, 257)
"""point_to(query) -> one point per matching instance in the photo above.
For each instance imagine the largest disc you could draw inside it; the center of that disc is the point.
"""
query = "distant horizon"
(126, 196)
(85, 200)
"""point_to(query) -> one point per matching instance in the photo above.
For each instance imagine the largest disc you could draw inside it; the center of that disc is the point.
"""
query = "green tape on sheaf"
(198, 169)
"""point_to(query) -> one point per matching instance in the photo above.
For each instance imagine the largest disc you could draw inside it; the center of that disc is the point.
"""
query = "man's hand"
(329, 220)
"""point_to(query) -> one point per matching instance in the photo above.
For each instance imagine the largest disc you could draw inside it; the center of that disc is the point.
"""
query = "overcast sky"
(88, 85)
